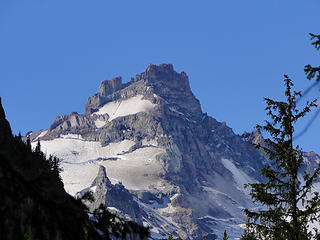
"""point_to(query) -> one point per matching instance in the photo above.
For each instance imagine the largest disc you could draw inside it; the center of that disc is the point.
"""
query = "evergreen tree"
(288, 206)
(178, 238)
(38, 147)
(225, 235)
(313, 72)
(28, 143)
(54, 164)
(113, 227)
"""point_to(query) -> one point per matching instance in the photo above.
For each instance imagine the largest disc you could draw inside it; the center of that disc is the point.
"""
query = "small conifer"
(287, 210)
(225, 235)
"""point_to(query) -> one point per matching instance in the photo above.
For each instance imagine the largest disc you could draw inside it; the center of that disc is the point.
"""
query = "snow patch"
(72, 136)
(81, 160)
(41, 134)
(137, 171)
(72, 149)
(151, 142)
(99, 123)
(93, 189)
(126, 107)
(238, 175)
(158, 219)
(114, 210)
(176, 111)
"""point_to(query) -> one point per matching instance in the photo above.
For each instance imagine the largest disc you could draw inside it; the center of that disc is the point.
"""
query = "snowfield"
(81, 159)
(99, 123)
(42, 134)
(72, 149)
(125, 107)
(140, 170)
(239, 176)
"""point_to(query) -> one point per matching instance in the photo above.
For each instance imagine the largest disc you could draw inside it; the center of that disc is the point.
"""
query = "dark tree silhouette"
(313, 72)
(287, 209)
(225, 235)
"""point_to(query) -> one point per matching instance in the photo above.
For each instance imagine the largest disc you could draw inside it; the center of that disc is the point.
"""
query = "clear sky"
(54, 54)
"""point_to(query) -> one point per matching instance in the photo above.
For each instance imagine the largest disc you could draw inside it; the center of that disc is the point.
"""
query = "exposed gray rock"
(106, 89)
(115, 196)
(101, 180)
(171, 86)
(110, 86)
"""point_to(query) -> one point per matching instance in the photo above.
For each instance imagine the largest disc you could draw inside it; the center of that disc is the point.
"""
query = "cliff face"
(184, 170)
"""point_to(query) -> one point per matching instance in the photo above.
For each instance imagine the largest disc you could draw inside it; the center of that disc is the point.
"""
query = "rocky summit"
(146, 150)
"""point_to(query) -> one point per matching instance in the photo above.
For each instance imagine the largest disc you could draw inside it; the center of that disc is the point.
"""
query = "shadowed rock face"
(114, 196)
(5, 129)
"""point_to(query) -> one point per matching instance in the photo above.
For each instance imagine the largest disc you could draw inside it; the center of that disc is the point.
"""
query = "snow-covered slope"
(125, 107)
(81, 160)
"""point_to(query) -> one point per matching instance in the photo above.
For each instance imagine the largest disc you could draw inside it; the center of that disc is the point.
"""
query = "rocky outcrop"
(102, 181)
(255, 138)
(116, 197)
(110, 86)
(106, 89)
(172, 86)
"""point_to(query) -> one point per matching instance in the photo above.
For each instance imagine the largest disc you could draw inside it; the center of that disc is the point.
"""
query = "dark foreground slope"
(33, 203)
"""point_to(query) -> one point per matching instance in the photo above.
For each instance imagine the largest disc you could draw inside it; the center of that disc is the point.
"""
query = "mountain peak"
(163, 72)
(162, 67)
(157, 80)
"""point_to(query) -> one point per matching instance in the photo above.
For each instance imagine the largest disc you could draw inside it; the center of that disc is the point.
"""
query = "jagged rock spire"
(101, 178)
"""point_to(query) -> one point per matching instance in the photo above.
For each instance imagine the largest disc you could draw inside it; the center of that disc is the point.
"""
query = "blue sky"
(54, 54)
